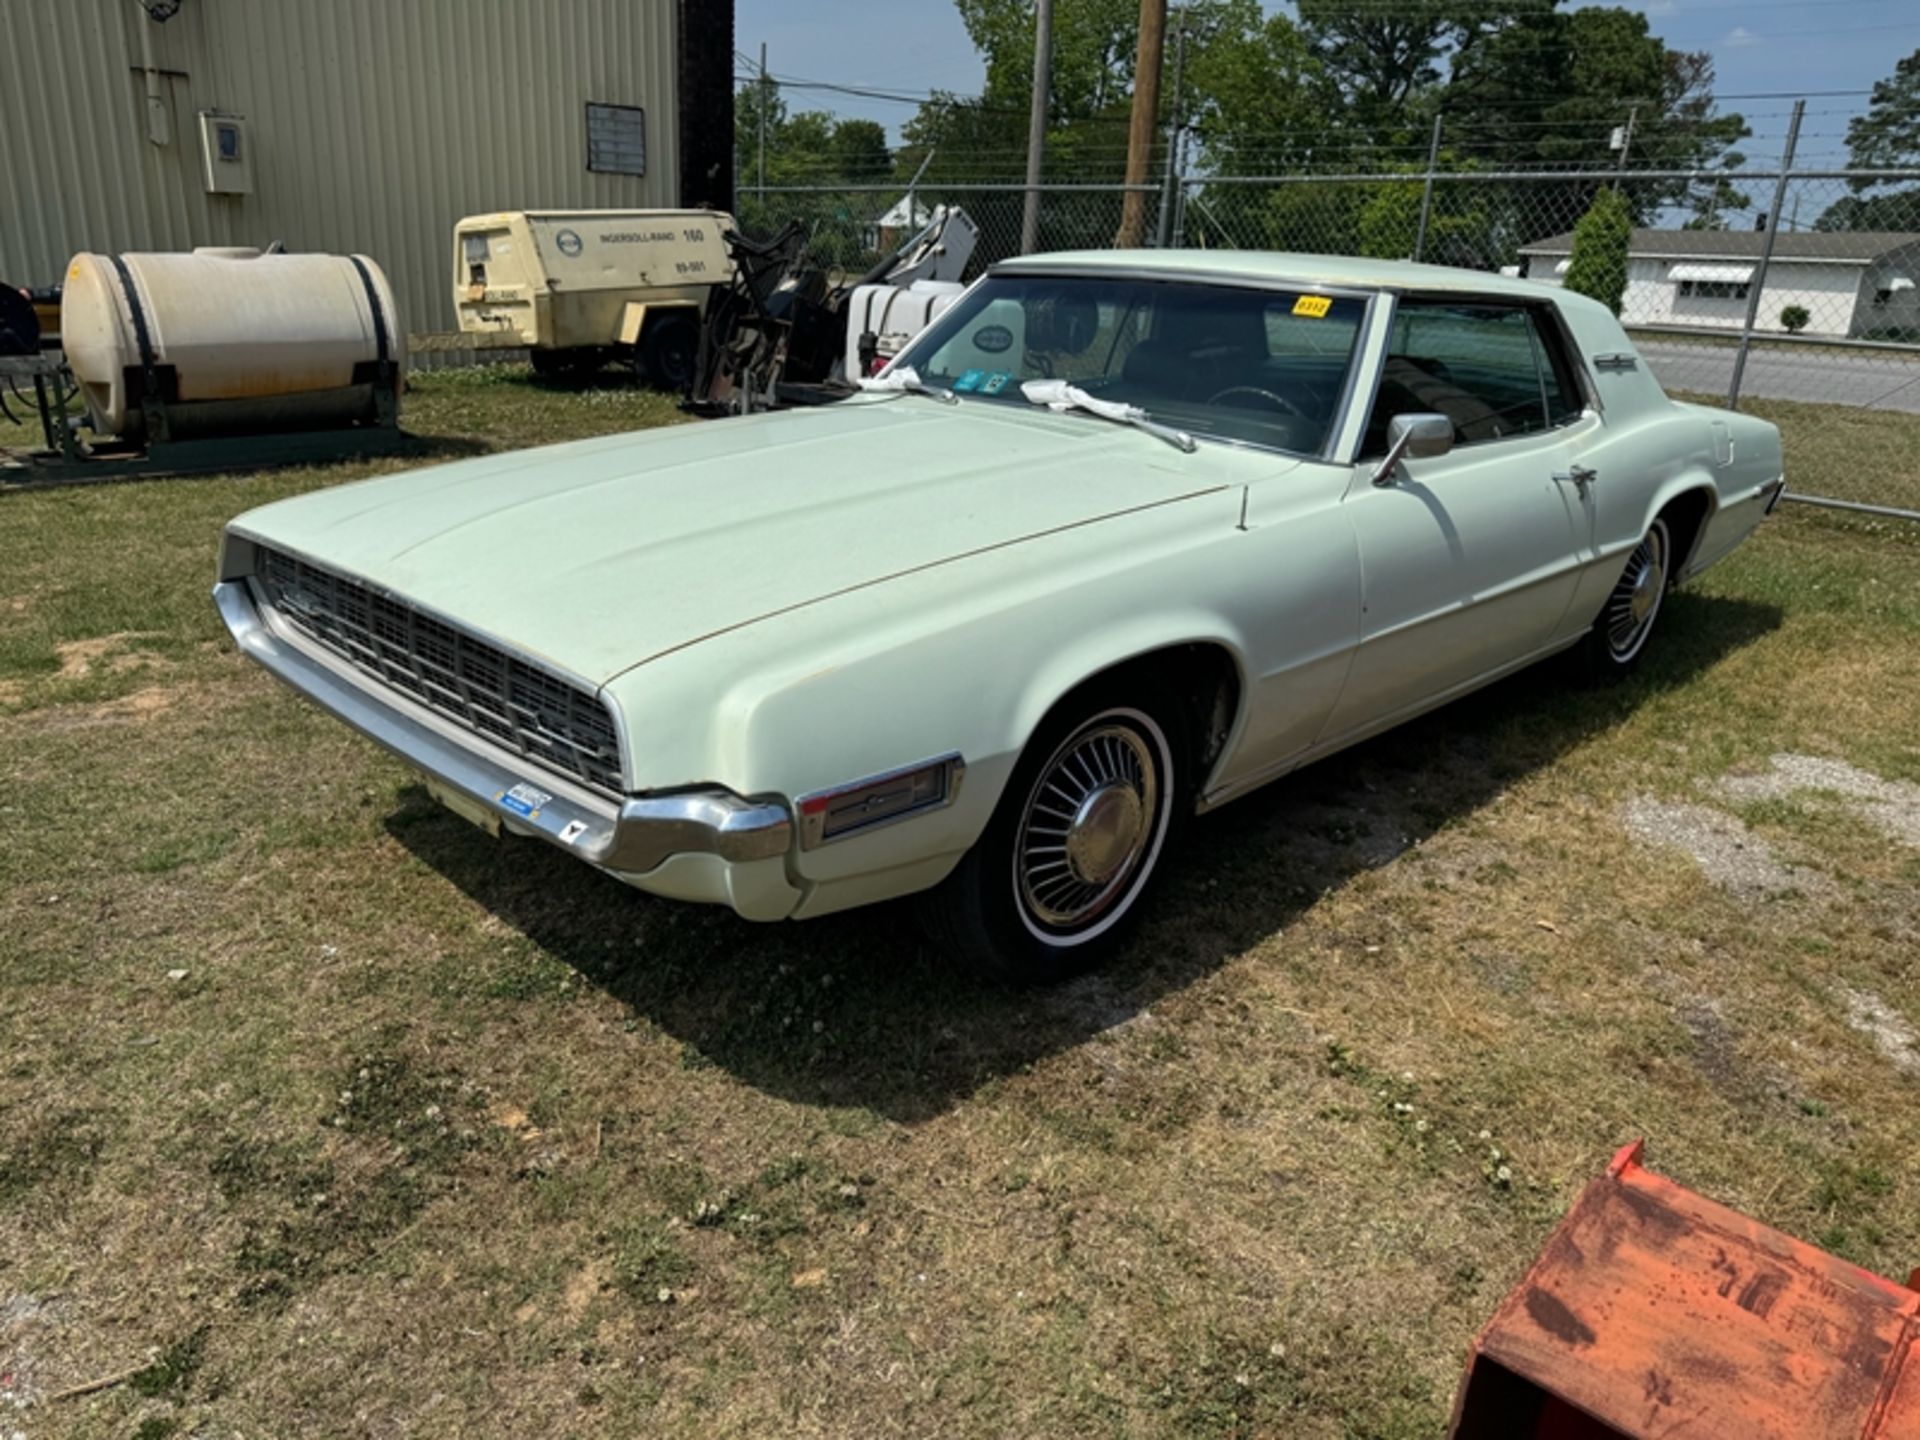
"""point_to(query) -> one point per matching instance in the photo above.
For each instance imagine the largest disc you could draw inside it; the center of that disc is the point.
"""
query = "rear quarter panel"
(1651, 450)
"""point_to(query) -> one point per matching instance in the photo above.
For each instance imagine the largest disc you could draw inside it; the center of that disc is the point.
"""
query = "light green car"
(1121, 537)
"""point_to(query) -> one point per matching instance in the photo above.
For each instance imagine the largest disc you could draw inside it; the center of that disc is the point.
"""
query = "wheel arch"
(1688, 504)
(1203, 666)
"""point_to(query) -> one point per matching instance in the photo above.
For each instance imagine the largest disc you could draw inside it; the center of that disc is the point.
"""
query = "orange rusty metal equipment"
(1655, 1313)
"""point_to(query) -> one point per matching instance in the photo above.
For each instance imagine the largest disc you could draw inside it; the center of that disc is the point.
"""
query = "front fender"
(959, 658)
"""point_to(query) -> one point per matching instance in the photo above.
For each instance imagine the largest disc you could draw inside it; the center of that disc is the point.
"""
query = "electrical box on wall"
(226, 152)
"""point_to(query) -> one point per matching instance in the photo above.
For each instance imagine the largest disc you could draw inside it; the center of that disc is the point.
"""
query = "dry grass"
(342, 1119)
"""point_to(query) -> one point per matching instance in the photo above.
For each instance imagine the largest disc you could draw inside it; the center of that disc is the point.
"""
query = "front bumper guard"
(631, 837)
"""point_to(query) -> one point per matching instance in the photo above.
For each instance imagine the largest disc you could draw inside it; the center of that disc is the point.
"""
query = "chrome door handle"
(1581, 477)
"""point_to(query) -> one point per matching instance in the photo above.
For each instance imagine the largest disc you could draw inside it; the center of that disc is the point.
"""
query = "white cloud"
(1739, 37)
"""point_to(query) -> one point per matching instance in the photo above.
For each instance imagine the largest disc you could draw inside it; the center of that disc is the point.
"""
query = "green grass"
(429, 1122)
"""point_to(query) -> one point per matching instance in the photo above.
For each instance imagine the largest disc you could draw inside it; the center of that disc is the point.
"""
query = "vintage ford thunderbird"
(1119, 538)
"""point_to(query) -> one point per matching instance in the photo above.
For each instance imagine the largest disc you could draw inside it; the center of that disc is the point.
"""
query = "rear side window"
(1493, 370)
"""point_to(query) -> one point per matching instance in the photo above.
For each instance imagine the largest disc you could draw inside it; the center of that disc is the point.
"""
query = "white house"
(1850, 282)
(908, 217)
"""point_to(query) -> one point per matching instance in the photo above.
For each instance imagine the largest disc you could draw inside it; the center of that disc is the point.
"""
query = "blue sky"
(1760, 47)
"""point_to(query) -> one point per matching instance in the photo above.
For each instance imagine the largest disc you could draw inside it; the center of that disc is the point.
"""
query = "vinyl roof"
(1849, 246)
(1282, 267)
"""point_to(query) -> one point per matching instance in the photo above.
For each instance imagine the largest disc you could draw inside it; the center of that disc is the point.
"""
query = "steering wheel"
(1279, 400)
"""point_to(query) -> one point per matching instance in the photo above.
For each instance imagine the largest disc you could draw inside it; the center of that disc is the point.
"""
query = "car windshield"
(1262, 366)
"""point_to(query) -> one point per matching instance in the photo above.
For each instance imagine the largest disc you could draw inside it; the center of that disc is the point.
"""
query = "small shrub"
(1794, 318)
(1598, 268)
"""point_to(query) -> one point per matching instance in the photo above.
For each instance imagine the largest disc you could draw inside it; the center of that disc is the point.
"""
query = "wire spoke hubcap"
(1087, 825)
(1636, 598)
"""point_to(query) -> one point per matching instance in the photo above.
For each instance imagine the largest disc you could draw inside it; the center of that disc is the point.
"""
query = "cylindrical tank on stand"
(235, 340)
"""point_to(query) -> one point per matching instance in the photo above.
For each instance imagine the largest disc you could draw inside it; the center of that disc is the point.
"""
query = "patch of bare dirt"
(1892, 805)
(1892, 1036)
(102, 653)
(585, 1284)
(141, 707)
(24, 1323)
(1730, 854)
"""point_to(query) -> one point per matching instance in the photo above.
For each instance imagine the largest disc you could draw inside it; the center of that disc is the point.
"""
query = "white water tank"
(236, 340)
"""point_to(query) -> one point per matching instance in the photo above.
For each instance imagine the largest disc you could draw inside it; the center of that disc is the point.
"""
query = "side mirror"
(1413, 437)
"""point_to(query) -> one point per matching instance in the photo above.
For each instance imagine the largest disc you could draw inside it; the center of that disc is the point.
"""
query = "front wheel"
(1077, 839)
(1625, 623)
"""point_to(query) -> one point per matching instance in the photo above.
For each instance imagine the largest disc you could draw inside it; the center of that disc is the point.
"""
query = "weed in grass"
(387, 1095)
(528, 974)
(156, 1427)
(648, 1263)
(173, 1367)
(52, 1155)
(243, 1167)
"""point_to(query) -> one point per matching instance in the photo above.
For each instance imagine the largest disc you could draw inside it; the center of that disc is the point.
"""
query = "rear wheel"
(1078, 837)
(1625, 623)
(667, 351)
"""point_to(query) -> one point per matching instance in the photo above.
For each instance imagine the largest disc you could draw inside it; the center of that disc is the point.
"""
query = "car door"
(1469, 559)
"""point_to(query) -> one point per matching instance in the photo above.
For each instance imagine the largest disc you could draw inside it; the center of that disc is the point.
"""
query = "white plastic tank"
(893, 315)
(236, 340)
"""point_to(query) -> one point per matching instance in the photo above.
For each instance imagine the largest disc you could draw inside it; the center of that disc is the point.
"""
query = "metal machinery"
(214, 359)
(581, 287)
(1654, 1312)
(784, 333)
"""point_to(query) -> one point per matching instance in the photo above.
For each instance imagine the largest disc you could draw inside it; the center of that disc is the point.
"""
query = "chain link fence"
(853, 227)
(1794, 294)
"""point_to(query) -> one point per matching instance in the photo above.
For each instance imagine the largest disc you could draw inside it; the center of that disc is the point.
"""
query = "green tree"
(1387, 60)
(1547, 92)
(808, 148)
(1713, 202)
(859, 150)
(1885, 136)
(1257, 96)
(1794, 318)
(1600, 241)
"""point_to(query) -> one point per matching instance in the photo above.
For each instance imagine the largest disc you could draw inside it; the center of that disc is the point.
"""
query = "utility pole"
(1626, 139)
(1426, 190)
(1164, 233)
(1037, 124)
(763, 122)
(1140, 128)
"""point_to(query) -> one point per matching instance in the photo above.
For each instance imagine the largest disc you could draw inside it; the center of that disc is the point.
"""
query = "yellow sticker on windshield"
(1314, 307)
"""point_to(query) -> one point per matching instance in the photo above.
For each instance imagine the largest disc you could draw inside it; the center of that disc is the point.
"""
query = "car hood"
(603, 554)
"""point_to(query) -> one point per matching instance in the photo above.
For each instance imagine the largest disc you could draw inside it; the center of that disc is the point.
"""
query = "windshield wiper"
(1065, 395)
(906, 378)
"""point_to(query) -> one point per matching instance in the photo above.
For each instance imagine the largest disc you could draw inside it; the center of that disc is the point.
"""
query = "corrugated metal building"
(353, 125)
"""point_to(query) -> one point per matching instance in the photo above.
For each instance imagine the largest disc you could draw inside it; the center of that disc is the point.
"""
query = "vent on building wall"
(616, 139)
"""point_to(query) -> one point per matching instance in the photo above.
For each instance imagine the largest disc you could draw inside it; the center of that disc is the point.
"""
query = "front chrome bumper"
(633, 837)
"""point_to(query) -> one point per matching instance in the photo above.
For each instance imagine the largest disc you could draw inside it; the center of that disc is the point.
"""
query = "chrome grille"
(519, 706)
